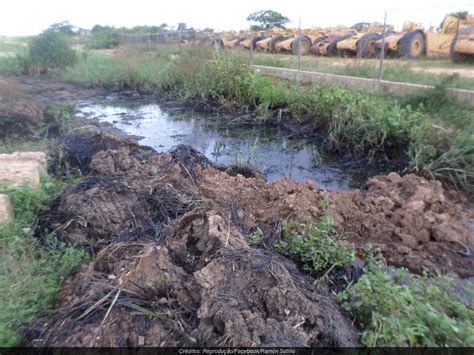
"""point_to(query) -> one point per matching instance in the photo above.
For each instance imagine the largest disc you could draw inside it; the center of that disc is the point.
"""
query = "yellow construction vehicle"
(362, 43)
(462, 46)
(250, 42)
(327, 45)
(435, 44)
(301, 42)
(275, 35)
(402, 43)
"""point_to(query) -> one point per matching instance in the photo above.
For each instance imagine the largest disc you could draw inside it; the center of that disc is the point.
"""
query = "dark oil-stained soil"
(174, 265)
(20, 113)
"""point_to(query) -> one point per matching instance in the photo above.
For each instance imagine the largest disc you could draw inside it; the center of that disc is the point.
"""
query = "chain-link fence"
(396, 44)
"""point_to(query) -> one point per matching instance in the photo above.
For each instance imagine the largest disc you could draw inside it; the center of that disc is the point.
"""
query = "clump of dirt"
(416, 222)
(104, 209)
(202, 285)
(20, 113)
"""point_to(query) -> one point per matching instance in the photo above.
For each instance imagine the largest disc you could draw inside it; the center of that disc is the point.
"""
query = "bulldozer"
(451, 39)
(362, 43)
(300, 43)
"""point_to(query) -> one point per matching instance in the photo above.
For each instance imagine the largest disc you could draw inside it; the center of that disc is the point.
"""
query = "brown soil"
(174, 266)
(20, 113)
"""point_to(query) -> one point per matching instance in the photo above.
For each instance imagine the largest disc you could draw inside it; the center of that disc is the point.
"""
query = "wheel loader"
(362, 43)
(450, 40)
(301, 42)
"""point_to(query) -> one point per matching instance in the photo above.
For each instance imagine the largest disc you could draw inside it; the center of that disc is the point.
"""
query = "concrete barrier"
(19, 168)
(390, 87)
(6, 213)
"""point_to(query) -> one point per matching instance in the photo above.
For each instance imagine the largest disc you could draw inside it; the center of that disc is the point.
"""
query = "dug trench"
(174, 264)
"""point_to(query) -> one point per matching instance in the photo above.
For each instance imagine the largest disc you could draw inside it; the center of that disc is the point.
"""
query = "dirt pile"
(174, 265)
(414, 221)
(203, 285)
(20, 113)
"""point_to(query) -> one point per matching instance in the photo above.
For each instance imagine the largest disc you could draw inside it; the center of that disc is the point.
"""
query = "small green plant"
(31, 273)
(315, 245)
(407, 310)
(50, 50)
(256, 237)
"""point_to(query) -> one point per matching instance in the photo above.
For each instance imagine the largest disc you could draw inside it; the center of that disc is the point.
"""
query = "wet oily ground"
(174, 265)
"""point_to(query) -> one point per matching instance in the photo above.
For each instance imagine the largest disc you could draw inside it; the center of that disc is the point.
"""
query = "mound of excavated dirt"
(203, 285)
(414, 221)
(174, 266)
(20, 113)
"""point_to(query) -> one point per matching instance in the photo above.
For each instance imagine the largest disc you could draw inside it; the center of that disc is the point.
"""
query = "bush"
(50, 50)
(105, 39)
(407, 310)
(31, 274)
(315, 245)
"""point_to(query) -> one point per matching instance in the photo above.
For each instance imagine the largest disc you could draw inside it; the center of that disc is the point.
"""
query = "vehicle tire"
(332, 48)
(301, 42)
(366, 45)
(218, 43)
(254, 42)
(412, 45)
(273, 43)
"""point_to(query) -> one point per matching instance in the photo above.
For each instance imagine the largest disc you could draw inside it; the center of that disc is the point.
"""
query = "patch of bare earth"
(174, 265)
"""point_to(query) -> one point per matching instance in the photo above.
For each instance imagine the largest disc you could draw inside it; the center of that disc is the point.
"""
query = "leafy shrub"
(407, 310)
(31, 274)
(50, 50)
(105, 39)
(315, 245)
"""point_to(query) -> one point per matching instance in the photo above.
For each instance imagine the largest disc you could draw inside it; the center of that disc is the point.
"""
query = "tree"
(268, 18)
(64, 27)
(182, 26)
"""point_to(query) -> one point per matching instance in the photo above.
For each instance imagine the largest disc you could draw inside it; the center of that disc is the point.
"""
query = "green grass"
(410, 71)
(315, 246)
(31, 273)
(408, 310)
(435, 132)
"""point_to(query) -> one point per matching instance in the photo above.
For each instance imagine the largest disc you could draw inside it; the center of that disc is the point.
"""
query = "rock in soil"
(21, 168)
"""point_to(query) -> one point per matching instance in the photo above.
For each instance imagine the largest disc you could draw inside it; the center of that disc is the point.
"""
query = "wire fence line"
(389, 20)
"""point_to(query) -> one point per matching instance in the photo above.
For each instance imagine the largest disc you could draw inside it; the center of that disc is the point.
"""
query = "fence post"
(299, 46)
(251, 50)
(382, 51)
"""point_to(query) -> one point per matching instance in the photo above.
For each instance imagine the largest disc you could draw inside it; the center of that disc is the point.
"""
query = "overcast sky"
(28, 17)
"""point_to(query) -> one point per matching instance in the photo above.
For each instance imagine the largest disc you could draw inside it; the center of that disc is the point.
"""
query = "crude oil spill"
(265, 148)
